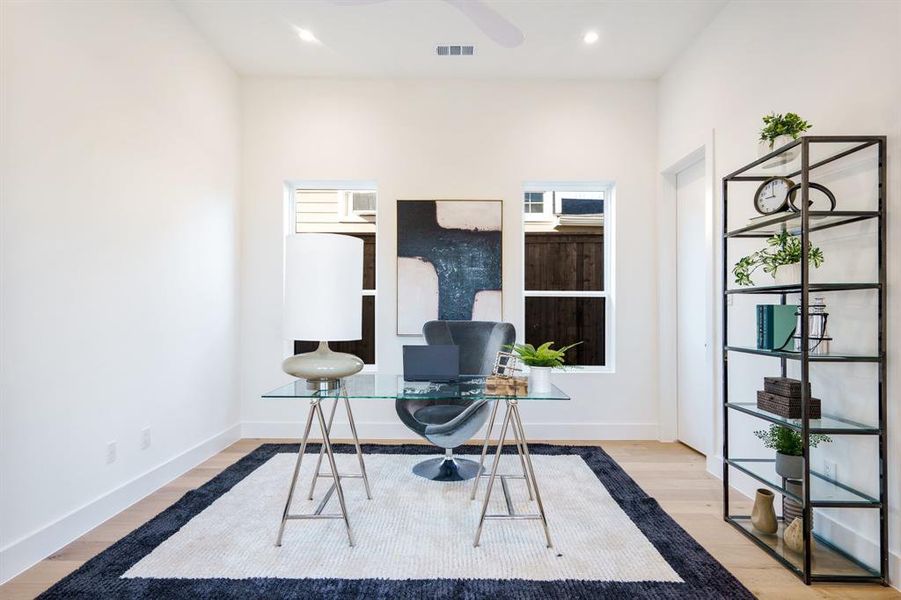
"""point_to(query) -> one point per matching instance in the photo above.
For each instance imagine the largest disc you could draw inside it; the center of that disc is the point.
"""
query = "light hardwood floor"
(671, 473)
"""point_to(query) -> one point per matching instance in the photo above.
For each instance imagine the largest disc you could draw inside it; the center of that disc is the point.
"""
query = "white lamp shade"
(323, 287)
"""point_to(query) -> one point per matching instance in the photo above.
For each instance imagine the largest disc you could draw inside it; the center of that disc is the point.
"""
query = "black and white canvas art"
(448, 262)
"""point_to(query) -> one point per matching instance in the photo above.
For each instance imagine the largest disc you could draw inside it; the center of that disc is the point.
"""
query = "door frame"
(668, 298)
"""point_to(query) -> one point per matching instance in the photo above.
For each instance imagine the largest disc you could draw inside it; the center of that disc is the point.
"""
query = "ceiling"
(397, 38)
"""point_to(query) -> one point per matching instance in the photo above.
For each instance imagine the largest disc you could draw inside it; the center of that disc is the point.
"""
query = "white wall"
(119, 262)
(453, 139)
(838, 65)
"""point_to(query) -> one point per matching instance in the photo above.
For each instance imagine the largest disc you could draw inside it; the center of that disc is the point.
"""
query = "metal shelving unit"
(821, 559)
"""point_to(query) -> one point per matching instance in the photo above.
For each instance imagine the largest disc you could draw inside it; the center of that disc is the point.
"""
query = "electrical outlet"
(829, 468)
(110, 453)
(145, 438)
(729, 300)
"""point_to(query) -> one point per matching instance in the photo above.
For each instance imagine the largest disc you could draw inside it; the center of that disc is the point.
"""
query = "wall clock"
(772, 195)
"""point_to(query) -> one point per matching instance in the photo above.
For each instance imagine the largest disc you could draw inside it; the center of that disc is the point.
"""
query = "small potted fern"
(779, 130)
(541, 361)
(789, 448)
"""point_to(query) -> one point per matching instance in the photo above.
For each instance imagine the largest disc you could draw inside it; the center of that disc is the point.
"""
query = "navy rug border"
(704, 577)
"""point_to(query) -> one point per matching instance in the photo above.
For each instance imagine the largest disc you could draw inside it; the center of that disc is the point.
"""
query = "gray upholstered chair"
(449, 423)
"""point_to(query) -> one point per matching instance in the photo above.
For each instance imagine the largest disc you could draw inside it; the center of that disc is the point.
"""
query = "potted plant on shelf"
(789, 448)
(781, 259)
(778, 130)
(541, 361)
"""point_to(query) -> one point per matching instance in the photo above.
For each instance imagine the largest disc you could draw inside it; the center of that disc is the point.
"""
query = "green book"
(776, 326)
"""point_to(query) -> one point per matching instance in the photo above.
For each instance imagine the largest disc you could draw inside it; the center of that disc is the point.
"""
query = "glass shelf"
(827, 561)
(824, 492)
(785, 161)
(828, 424)
(791, 222)
(795, 288)
(797, 355)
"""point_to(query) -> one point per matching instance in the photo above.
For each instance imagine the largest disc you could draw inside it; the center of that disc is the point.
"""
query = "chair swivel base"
(447, 469)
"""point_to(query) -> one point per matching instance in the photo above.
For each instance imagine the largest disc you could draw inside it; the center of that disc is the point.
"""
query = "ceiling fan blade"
(490, 22)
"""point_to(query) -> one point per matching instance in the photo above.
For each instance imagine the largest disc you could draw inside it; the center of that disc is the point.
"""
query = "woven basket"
(789, 408)
(784, 386)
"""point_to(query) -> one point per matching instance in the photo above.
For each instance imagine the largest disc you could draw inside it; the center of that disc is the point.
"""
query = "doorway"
(693, 409)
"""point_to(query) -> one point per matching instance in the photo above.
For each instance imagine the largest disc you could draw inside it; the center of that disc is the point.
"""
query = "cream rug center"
(411, 529)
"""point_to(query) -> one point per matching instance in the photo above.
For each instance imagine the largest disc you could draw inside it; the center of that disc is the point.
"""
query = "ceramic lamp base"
(322, 366)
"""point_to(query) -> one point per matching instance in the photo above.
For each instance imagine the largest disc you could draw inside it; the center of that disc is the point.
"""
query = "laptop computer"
(437, 363)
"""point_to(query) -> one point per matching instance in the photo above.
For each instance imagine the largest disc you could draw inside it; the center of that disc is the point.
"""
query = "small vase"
(788, 274)
(790, 467)
(539, 380)
(793, 536)
(763, 516)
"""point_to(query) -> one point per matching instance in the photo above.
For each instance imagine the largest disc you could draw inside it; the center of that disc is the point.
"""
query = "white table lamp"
(323, 303)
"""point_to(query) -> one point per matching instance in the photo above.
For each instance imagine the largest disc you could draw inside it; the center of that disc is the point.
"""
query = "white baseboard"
(31, 549)
(395, 430)
(715, 465)
(894, 569)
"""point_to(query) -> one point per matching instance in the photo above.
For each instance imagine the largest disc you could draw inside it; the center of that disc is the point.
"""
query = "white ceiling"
(397, 38)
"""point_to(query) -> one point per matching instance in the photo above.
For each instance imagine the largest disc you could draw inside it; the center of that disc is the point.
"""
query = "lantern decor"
(817, 333)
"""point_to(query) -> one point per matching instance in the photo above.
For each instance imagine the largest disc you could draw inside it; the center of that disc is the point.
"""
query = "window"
(579, 203)
(534, 202)
(566, 292)
(350, 209)
(361, 203)
(538, 206)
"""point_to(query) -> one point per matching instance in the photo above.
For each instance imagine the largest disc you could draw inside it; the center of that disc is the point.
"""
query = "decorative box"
(507, 386)
(784, 406)
(784, 386)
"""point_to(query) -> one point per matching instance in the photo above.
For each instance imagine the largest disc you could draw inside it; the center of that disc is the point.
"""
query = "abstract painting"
(448, 262)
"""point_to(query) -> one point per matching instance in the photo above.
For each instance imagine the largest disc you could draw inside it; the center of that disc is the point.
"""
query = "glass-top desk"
(369, 386)
(372, 386)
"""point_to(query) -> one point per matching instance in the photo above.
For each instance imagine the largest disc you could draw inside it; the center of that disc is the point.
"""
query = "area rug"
(413, 538)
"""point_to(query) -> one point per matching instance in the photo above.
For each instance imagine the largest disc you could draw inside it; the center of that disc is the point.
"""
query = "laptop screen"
(431, 363)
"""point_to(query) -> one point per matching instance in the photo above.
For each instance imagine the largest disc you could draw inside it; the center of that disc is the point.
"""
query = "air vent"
(454, 50)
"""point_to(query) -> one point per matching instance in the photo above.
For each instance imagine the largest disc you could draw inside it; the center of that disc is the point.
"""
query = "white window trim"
(608, 293)
(290, 228)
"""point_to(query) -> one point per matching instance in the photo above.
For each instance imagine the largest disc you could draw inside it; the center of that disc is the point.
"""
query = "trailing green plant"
(775, 125)
(542, 356)
(782, 249)
(785, 440)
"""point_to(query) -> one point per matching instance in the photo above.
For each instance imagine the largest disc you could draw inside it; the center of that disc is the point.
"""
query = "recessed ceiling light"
(307, 36)
(591, 37)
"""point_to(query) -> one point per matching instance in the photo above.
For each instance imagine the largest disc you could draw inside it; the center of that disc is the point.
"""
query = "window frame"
(547, 207)
(347, 213)
(608, 293)
(342, 187)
